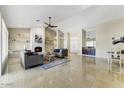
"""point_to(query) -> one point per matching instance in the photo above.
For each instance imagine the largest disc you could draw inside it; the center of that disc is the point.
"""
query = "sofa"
(31, 60)
(61, 53)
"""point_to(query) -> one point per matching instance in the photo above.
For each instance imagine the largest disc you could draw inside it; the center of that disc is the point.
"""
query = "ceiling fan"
(49, 24)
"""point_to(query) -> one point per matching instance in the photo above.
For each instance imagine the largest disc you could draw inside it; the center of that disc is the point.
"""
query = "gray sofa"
(29, 61)
(61, 52)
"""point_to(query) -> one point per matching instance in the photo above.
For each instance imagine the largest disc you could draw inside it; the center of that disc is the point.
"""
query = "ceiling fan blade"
(47, 23)
(53, 26)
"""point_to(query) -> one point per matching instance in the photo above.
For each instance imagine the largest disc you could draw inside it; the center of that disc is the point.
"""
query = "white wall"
(104, 34)
(37, 31)
(92, 16)
(83, 38)
(65, 40)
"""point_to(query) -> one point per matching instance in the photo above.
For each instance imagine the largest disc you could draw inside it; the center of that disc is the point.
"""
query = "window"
(3, 44)
(0, 45)
(4, 41)
(91, 43)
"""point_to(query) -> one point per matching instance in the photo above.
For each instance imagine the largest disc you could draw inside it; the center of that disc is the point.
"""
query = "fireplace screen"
(38, 49)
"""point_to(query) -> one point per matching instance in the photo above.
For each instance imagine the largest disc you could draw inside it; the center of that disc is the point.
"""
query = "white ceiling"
(26, 15)
(91, 17)
(65, 16)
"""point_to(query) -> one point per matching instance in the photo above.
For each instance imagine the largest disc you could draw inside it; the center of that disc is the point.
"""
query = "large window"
(3, 45)
(0, 45)
(4, 41)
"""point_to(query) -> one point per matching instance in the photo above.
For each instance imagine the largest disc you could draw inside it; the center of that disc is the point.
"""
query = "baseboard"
(102, 57)
(79, 54)
(95, 56)
(91, 56)
(88, 55)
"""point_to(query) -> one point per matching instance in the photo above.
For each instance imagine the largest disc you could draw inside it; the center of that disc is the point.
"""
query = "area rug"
(54, 63)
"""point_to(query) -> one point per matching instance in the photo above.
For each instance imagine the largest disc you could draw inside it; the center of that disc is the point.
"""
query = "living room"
(61, 46)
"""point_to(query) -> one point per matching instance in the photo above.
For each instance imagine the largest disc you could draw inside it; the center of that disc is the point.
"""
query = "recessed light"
(37, 20)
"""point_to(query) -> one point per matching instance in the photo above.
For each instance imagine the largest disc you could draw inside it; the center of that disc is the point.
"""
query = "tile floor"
(80, 72)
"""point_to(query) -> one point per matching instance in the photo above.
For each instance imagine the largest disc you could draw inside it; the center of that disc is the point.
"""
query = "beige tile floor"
(80, 72)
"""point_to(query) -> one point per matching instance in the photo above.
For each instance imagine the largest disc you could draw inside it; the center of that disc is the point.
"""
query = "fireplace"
(38, 49)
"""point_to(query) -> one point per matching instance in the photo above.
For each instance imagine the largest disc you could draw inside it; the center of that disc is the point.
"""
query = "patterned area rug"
(54, 63)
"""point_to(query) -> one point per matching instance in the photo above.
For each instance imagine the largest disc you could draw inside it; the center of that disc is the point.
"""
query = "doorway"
(89, 42)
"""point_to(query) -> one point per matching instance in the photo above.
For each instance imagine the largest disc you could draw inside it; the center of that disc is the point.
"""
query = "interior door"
(74, 45)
